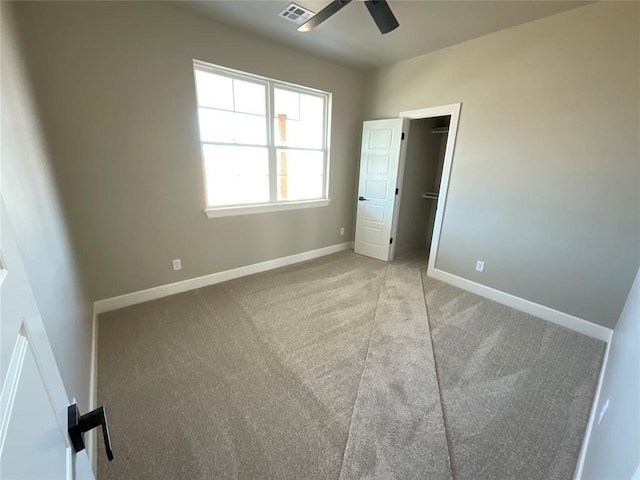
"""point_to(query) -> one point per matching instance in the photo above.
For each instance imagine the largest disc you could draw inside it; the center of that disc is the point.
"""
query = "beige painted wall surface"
(115, 84)
(33, 207)
(614, 445)
(545, 182)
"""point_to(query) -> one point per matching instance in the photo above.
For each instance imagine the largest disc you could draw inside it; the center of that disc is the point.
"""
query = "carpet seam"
(364, 364)
(435, 366)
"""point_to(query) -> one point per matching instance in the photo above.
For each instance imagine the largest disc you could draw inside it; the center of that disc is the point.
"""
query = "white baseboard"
(593, 414)
(122, 301)
(560, 318)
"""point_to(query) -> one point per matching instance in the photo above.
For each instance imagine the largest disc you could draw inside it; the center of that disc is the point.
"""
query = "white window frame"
(273, 205)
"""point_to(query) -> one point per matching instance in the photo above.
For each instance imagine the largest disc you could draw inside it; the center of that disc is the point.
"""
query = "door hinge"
(402, 137)
(396, 191)
(390, 241)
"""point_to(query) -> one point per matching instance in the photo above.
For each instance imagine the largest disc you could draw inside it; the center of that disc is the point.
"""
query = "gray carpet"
(516, 390)
(397, 428)
(254, 378)
(326, 367)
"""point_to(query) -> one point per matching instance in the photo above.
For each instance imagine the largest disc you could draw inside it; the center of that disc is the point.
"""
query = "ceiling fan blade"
(323, 15)
(382, 15)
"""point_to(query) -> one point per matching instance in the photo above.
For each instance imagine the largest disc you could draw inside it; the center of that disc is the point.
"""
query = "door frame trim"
(429, 112)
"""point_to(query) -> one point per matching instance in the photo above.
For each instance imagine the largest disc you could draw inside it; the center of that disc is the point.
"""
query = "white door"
(382, 148)
(34, 442)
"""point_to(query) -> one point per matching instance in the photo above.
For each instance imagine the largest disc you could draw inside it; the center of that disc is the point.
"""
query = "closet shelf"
(430, 195)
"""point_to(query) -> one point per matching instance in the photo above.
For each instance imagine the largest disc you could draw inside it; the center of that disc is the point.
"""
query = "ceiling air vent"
(296, 14)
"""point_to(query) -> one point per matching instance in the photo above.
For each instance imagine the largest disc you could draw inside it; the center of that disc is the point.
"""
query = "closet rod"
(440, 130)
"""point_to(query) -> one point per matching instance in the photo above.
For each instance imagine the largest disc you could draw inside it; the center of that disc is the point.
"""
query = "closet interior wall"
(422, 173)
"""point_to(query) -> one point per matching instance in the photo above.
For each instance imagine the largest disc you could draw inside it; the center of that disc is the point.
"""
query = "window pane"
(237, 191)
(300, 188)
(214, 90)
(299, 162)
(311, 109)
(216, 125)
(249, 97)
(299, 119)
(286, 103)
(229, 160)
(229, 127)
(300, 174)
(293, 133)
(236, 175)
(250, 129)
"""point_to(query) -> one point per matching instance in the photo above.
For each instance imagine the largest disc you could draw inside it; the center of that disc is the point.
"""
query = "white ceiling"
(351, 37)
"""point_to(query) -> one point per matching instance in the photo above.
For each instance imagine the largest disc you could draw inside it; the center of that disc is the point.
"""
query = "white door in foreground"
(34, 443)
(379, 162)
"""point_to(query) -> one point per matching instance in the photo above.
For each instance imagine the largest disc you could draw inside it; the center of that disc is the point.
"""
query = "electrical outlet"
(341, 231)
(480, 266)
(177, 264)
(603, 410)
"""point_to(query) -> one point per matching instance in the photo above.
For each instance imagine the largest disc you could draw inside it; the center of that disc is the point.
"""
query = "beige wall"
(35, 215)
(613, 450)
(545, 183)
(115, 84)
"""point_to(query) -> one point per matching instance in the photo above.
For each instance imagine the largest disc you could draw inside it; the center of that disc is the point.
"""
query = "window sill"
(270, 207)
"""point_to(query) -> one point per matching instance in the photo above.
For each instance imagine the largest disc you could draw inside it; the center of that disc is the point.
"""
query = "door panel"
(380, 137)
(374, 213)
(376, 189)
(54, 459)
(34, 442)
(379, 161)
(378, 164)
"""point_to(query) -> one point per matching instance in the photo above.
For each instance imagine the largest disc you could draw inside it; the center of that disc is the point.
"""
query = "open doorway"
(431, 136)
(423, 165)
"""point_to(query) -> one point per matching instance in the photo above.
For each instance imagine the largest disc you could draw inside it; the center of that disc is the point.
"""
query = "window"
(264, 142)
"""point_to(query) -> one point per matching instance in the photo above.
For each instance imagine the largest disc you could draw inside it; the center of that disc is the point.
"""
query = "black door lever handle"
(79, 424)
(361, 199)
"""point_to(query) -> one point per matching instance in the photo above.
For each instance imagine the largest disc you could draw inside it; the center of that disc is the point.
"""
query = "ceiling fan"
(379, 10)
